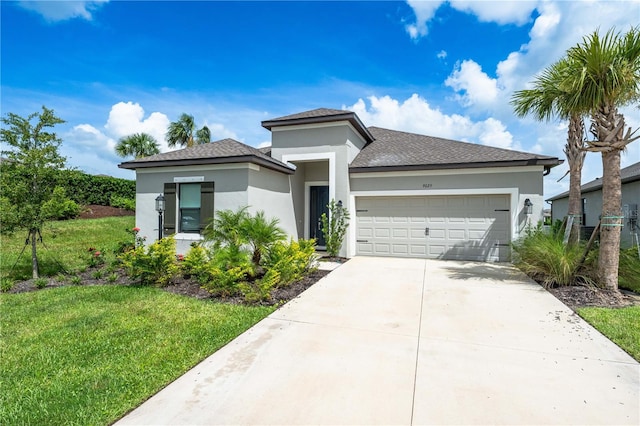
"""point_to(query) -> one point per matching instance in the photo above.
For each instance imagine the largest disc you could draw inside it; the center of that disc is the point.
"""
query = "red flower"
(180, 257)
(97, 253)
(136, 229)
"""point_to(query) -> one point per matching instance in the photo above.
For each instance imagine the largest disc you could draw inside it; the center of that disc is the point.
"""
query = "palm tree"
(183, 132)
(261, 234)
(139, 145)
(605, 76)
(550, 98)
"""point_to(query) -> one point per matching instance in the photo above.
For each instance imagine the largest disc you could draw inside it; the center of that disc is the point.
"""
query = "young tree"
(550, 98)
(334, 227)
(138, 145)
(29, 172)
(605, 76)
(183, 132)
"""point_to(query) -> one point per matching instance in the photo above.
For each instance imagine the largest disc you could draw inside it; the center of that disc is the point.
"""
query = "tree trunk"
(611, 206)
(34, 255)
(575, 157)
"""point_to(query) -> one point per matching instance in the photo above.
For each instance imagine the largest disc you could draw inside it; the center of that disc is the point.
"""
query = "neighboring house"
(408, 195)
(592, 202)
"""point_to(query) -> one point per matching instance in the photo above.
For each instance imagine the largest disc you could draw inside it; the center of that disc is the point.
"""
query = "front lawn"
(87, 355)
(65, 245)
(621, 325)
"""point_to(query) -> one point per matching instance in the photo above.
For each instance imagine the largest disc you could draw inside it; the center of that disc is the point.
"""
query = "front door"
(318, 201)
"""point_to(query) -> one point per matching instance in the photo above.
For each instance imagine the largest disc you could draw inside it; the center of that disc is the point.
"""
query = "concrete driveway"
(408, 341)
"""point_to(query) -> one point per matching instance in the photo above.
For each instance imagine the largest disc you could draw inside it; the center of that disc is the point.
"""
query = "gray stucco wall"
(593, 208)
(231, 191)
(270, 191)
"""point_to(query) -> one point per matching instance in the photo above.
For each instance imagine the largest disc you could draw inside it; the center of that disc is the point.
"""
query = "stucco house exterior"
(592, 202)
(408, 195)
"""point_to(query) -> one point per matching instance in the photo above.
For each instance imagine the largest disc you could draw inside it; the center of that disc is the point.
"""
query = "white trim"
(187, 179)
(314, 156)
(463, 171)
(198, 168)
(307, 201)
(513, 194)
(317, 126)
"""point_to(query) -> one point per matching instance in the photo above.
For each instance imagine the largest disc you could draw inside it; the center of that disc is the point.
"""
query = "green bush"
(6, 284)
(629, 270)
(228, 267)
(259, 290)
(92, 189)
(543, 256)
(196, 264)
(41, 282)
(60, 207)
(155, 265)
(122, 202)
(291, 260)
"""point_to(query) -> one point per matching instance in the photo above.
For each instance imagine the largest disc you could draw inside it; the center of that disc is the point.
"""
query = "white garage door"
(474, 227)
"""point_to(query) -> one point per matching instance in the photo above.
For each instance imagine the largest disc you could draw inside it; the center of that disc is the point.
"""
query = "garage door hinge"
(358, 211)
(362, 241)
(502, 210)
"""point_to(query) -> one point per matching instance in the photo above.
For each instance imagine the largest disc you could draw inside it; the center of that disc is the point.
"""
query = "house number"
(426, 185)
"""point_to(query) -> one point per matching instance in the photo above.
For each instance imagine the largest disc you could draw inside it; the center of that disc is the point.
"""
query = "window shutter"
(169, 224)
(206, 204)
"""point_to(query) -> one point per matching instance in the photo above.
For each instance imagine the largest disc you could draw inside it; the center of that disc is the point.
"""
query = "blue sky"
(442, 68)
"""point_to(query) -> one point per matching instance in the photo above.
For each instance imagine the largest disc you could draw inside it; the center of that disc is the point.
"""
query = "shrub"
(41, 282)
(155, 265)
(544, 257)
(122, 202)
(112, 278)
(76, 280)
(59, 207)
(227, 268)
(291, 260)
(334, 227)
(6, 284)
(259, 290)
(92, 189)
(629, 270)
(197, 264)
(97, 274)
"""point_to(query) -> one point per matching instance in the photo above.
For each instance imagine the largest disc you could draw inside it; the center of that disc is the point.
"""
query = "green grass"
(66, 243)
(629, 270)
(87, 355)
(622, 326)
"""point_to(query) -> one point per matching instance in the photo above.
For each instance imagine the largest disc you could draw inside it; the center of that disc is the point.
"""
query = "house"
(592, 203)
(408, 195)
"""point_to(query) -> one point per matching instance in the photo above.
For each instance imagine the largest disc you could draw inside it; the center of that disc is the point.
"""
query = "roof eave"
(349, 116)
(547, 163)
(133, 165)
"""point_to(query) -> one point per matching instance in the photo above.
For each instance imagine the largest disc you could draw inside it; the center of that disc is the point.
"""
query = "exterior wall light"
(528, 207)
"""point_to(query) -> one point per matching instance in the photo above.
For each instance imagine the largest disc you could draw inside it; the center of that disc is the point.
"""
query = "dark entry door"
(318, 200)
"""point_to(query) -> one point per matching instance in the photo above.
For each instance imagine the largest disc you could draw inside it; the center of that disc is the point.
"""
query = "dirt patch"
(584, 296)
(94, 211)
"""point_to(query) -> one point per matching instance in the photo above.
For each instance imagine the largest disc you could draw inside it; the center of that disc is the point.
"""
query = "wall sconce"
(528, 207)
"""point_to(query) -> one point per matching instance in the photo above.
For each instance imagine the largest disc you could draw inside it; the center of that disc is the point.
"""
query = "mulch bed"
(181, 285)
(587, 296)
(93, 211)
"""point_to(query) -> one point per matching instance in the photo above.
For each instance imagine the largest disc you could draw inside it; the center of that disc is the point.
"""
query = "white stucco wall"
(270, 191)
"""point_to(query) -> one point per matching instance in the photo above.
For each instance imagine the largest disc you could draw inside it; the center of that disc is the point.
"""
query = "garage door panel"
(460, 227)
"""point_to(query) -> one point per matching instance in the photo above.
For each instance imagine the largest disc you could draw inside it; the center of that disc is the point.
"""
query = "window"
(189, 204)
(189, 207)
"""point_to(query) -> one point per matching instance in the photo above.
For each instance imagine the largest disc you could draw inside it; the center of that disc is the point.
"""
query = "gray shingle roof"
(222, 151)
(628, 174)
(393, 150)
(320, 115)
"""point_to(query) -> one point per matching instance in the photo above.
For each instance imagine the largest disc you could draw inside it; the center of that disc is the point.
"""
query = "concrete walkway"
(405, 341)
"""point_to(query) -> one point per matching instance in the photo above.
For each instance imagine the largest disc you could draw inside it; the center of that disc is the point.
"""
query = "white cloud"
(500, 12)
(417, 116)
(54, 11)
(424, 11)
(442, 54)
(477, 86)
(218, 131)
(264, 144)
(128, 118)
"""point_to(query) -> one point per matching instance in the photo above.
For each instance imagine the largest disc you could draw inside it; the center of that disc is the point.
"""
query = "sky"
(440, 68)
